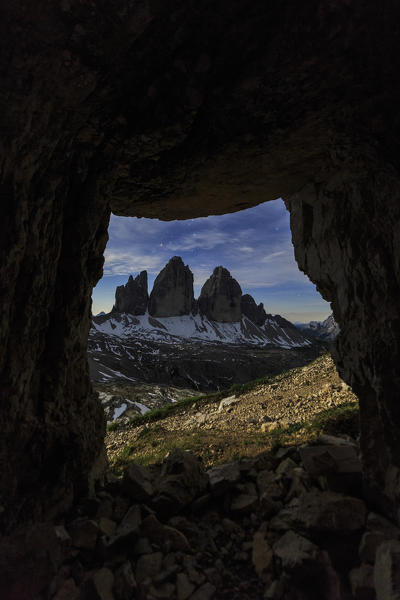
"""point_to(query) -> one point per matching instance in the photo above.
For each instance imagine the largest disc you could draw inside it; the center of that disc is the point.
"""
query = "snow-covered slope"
(275, 331)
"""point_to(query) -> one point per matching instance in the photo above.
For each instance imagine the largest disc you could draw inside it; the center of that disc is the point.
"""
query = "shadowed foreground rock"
(181, 109)
(265, 527)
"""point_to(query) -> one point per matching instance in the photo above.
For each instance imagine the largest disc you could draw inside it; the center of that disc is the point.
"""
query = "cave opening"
(172, 110)
(262, 282)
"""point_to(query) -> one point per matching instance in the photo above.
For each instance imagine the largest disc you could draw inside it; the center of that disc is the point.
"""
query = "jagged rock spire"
(133, 297)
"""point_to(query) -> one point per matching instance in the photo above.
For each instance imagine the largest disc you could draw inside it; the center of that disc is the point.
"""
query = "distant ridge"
(326, 330)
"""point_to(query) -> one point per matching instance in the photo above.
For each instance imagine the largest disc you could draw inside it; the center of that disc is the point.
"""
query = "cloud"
(206, 240)
(254, 245)
(120, 262)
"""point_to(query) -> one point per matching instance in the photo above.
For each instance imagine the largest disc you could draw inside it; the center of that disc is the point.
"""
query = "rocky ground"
(289, 523)
(236, 426)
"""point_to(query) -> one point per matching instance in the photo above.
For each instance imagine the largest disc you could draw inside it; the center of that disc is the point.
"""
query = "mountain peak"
(172, 293)
(220, 297)
(133, 297)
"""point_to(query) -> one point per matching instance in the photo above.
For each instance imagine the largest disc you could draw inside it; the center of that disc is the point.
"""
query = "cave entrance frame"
(236, 105)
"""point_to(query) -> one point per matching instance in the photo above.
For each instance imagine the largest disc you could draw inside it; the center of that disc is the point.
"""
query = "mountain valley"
(170, 340)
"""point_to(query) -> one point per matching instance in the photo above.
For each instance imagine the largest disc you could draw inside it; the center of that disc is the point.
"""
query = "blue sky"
(254, 245)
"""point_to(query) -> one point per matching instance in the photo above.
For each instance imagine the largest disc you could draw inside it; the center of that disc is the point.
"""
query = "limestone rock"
(182, 478)
(261, 554)
(338, 464)
(223, 477)
(362, 583)
(84, 533)
(225, 402)
(172, 293)
(254, 312)
(309, 567)
(387, 571)
(220, 297)
(132, 297)
(164, 535)
(322, 512)
(137, 482)
(148, 565)
(184, 587)
(204, 592)
(68, 591)
(125, 583)
(101, 585)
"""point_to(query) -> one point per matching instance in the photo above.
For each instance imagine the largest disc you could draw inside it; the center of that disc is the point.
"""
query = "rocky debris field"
(237, 424)
(288, 525)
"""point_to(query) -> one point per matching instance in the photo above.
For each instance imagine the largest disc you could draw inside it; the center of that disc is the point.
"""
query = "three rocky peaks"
(172, 295)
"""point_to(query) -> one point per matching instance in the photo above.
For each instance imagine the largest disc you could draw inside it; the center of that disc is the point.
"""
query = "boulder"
(362, 583)
(132, 297)
(338, 464)
(181, 480)
(148, 565)
(220, 297)
(100, 585)
(125, 583)
(262, 554)
(137, 482)
(226, 402)
(309, 567)
(172, 293)
(387, 571)
(319, 513)
(223, 477)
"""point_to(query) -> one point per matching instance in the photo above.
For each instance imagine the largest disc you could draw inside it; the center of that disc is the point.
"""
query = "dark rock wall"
(254, 312)
(180, 109)
(50, 421)
(346, 235)
(220, 297)
(172, 293)
(132, 297)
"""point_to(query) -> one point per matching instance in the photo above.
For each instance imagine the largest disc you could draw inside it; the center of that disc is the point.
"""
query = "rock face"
(254, 312)
(236, 106)
(220, 297)
(172, 293)
(133, 297)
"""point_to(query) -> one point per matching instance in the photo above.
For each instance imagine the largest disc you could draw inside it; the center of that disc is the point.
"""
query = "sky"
(253, 244)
